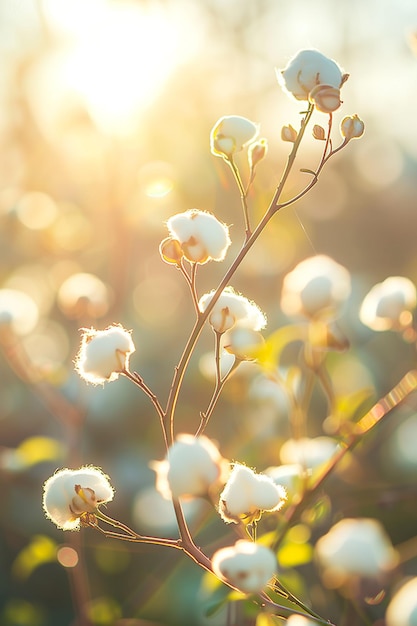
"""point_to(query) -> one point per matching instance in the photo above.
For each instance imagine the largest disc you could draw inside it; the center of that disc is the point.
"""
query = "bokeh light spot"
(380, 161)
(83, 294)
(19, 310)
(36, 210)
(156, 179)
(67, 556)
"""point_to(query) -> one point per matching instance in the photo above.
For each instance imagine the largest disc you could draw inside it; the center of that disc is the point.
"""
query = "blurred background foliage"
(106, 110)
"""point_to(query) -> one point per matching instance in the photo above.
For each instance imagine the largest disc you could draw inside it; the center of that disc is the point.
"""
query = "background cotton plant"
(172, 302)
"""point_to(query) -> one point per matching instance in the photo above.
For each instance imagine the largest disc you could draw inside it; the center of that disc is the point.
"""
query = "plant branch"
(407, 385)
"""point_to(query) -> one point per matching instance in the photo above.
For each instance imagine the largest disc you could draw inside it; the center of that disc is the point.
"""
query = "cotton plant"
(313, 295)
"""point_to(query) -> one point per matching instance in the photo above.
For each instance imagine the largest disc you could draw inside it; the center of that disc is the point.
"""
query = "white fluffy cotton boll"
(232, 308)
(402, 610)
(308, 452)
(243, 342)
(201, 235)
(316, 286)
(192, 466)
(231, 134)
(354, 547)
(299, 620)
(290, 476)
(247, 566)
(306, 70)
(389, 304)
(70, 493)
(104, 354)
(246, 494)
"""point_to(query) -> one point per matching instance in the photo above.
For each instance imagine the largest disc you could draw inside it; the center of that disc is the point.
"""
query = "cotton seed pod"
(325, 98)
(104, 354)
(231, 134)
(171, 251)
(247, 566)
(256, 152)
(193, 465)
(69, 494)
(246, 494)
(202, 237)
(306, 70)
(288, 133)
(352, 127)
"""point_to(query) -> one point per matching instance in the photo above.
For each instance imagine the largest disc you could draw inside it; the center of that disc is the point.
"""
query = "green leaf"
(293, 554)
(266, 619)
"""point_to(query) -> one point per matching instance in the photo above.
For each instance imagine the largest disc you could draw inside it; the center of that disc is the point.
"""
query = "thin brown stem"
(191, 282)
(139, 382)
(243, 195)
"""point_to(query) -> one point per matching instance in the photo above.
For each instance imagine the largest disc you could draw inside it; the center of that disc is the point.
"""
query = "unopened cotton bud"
(192, 466)
(288, 133)
(201, 235)
(231, 134)
(325, 98)
(230, 309)
(247, 566)
(246, 494)
(69, 494)
(306, 70)
(104, 354)
(319, 132)
(257, 152)
(389, 305)
(171, 251)
(352, 127)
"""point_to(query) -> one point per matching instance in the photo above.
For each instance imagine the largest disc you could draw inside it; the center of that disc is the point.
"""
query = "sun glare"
(117, 56)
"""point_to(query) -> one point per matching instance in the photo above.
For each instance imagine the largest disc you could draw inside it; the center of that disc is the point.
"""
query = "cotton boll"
(299, 620)
(230, 309)
(352, 548)
(192, 466)
(402, 610)
(70, 493)
(308, 452)
(306, 70)
(246, 494)
(290, 476)
(389, 304)
(243, 342)
(246, 565)
(104, 354)
(231, 134)
(316, 286)
(201, 235)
